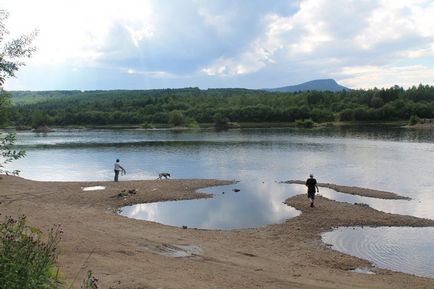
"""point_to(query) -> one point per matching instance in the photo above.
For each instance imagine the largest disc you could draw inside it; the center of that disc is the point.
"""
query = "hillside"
(194, 106)
(318, 85)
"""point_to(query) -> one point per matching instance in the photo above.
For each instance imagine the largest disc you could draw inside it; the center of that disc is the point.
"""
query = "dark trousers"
(116, 175)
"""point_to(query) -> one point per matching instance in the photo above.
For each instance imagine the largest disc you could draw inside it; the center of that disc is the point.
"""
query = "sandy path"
(127, 253)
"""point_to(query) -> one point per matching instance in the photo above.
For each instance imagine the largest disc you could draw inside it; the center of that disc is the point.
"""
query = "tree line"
(190, 106)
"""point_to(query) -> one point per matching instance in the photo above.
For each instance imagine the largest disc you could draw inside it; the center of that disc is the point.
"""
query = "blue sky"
(145, 44)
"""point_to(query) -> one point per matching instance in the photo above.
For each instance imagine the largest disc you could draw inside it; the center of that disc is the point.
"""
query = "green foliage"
(5, 105)
(177, 118)
(27, 260)
(39, 118)
(305, 123)
(146, 125)
(90, 282)
(178, 107)
(414, 119)
(7, 153)
(220, 120)
(191, 123)
(11, 54)
(12, 51)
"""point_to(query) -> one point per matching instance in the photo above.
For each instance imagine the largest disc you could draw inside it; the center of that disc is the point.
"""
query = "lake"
(404, 249)
(378, 157)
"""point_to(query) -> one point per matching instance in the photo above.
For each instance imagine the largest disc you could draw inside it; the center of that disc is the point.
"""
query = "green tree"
(39, 118)
(11, 54)
(220, 119)
(177, 118)
(414, 119)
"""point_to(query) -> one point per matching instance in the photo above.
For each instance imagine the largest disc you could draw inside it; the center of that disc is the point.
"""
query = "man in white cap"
(311, 184)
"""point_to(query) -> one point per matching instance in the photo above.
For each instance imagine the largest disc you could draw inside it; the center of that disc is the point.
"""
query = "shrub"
(7, 154)
(177, 118)
(220, 119)
(27, 260)
(414, 119)
(306, 123)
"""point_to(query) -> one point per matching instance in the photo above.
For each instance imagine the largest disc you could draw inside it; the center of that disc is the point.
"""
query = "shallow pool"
(254, 205)
(404, 249)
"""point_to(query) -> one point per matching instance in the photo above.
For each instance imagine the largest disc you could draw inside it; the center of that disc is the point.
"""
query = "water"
(93, 188)
(255, 205)
(409, 250)
(384, 158)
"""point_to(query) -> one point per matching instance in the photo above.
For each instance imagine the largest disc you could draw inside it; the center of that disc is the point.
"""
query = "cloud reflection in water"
(255, 205)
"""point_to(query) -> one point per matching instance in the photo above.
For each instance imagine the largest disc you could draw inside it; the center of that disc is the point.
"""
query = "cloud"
(380, 76)
(331, 37)
(226, 43)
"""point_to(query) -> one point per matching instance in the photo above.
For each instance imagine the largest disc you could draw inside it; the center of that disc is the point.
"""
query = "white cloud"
(386, 76)
(361, 42)
(78, 30)
(156, 74)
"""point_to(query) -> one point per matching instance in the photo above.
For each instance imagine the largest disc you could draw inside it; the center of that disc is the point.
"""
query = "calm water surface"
(254, 205)
(385, 158)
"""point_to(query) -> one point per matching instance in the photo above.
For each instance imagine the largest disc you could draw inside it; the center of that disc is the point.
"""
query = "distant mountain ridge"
(318, 84)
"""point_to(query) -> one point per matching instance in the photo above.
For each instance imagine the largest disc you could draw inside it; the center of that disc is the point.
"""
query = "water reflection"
(383, 158)
(255, 205)
(415, 207)
(404, 249)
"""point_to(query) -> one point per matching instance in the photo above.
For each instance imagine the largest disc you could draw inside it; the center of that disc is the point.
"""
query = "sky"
(146, 44)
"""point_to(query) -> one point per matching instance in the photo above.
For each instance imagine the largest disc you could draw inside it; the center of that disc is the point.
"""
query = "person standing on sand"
(118, 169)
(311, 184)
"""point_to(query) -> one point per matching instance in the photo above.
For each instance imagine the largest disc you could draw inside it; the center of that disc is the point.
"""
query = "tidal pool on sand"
(254, 205)
(405, 249)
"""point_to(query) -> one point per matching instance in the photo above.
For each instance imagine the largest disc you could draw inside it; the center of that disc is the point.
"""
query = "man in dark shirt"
(311, 185)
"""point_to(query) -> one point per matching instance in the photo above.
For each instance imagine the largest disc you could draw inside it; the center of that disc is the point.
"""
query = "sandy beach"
(126, 253)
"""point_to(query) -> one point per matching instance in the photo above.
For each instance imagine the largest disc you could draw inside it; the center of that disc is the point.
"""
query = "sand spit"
(356, 191)
(126, 253)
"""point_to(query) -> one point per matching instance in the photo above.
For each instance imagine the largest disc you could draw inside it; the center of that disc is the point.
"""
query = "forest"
(193, 106)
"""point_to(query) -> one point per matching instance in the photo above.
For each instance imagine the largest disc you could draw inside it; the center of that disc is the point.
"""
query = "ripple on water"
(404, 249)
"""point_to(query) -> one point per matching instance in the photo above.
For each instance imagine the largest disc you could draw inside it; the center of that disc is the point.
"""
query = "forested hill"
(192, 106)
(319, 84)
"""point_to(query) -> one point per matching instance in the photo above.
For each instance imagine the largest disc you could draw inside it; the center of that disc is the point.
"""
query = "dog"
(165, 175)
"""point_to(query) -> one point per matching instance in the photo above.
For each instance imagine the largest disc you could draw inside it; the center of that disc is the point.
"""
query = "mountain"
(319, 84)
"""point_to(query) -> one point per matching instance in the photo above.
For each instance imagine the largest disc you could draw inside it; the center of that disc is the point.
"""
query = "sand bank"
(364, 192)
(127, 253)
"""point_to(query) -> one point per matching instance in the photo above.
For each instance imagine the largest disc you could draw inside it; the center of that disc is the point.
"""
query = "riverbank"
(127, 253)
(239, 125)
(351, 190)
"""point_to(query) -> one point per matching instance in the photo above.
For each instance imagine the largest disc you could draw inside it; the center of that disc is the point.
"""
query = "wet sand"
(364, 192)
(127, 253)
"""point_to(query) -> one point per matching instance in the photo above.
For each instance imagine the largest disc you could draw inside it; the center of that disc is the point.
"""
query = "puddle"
(236, 206)
(362, 270)
(174, 251)
(405, 249)
(94, 188)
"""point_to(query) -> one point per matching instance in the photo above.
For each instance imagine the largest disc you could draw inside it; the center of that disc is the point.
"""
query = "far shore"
(125, 253)
(240, 125)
